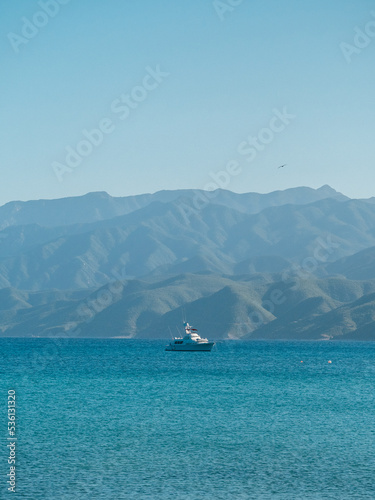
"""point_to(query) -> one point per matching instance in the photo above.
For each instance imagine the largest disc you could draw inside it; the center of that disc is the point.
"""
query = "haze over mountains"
(294, 264)
(93, 207)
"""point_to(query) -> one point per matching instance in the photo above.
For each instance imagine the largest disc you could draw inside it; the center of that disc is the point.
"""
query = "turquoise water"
(122, 419)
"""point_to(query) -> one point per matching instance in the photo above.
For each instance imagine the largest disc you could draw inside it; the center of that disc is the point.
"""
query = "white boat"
(190, 342)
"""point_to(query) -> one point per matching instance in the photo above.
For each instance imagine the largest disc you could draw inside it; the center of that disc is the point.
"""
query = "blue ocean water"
(123, 419)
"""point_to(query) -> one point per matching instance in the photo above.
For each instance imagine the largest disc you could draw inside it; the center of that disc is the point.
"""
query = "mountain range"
(293, 264)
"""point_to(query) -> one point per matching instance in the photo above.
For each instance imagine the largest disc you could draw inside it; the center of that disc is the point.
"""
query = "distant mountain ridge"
(157, 240)
(97, 206)
(360, 266)
(294, 264)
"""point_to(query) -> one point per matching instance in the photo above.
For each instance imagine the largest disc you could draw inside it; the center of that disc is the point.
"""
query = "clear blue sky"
(226, 78)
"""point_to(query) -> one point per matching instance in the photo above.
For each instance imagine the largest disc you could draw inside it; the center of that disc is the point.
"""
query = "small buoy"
(301, 361)
(329, 361)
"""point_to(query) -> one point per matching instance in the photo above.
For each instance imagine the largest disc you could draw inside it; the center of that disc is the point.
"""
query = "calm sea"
(123, 419)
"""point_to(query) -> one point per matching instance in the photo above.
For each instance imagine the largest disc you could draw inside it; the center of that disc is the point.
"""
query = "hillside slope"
(257, 307)
(157, 240)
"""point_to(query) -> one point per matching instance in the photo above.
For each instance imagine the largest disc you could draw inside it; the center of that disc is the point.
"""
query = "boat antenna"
(170, 331)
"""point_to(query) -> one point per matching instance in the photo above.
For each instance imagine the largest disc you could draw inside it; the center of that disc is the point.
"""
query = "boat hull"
(185, 347)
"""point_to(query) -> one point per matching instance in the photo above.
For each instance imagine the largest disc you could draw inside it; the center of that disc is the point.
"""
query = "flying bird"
(281, 166)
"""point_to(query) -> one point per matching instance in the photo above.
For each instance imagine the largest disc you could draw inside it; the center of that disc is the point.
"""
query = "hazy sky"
(179, 89)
